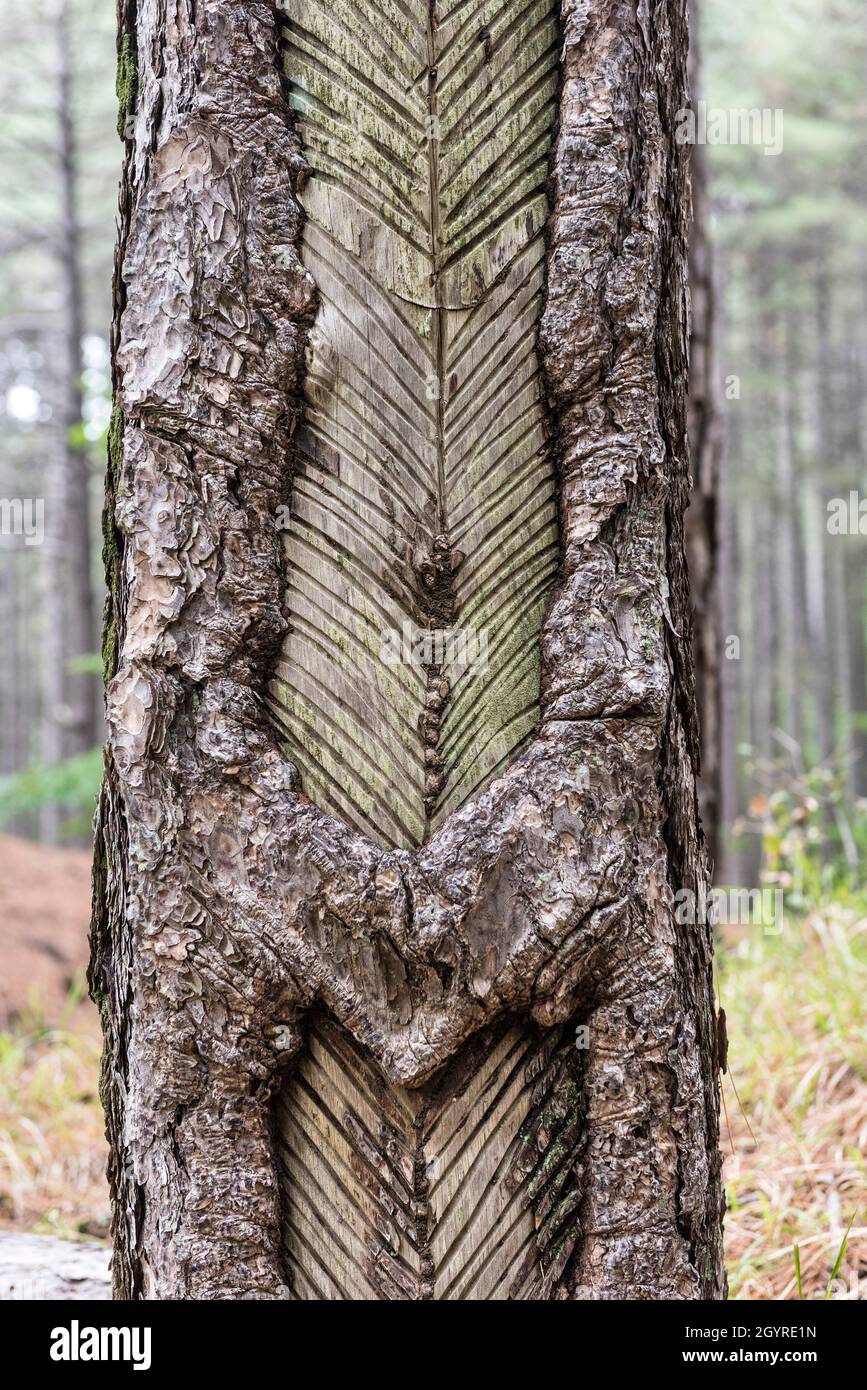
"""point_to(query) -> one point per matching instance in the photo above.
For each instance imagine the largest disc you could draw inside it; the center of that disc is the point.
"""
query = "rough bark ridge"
(228, 905)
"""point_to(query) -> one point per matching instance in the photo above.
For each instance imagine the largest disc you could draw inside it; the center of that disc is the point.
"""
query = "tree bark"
(230, 909)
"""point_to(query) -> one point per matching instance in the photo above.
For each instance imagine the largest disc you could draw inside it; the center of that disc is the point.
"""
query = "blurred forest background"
(59, 164)
(780, 432)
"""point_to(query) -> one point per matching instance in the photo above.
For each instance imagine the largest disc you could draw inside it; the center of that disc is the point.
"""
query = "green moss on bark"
(126, 82)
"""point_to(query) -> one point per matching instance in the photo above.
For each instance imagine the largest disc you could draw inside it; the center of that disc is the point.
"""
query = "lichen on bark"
(126, 81)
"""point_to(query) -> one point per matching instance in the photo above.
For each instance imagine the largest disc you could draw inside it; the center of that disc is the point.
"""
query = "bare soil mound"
(44, 919)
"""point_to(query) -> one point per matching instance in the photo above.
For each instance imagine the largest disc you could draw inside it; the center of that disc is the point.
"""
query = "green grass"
(795, 1172)
(52, 1150)
(796, 1007)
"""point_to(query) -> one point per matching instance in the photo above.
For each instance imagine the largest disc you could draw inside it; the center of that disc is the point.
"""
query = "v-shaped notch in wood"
(423, 535)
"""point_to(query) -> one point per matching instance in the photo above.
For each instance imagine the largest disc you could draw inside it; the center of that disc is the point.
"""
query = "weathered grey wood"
(424, 495)
(434, 1192)
(424, 491)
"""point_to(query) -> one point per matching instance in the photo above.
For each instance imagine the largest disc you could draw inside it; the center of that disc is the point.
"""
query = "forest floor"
(795, 1118)
(52, 1147)
(795, 1122)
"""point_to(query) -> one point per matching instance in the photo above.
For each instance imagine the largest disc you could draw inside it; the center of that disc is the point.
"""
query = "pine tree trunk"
(315, 969)
(817, 540)
(856, 582)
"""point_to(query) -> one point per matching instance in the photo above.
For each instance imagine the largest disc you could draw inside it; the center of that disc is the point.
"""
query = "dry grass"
(795, 1141)
(797, 1021)
(52, 1149)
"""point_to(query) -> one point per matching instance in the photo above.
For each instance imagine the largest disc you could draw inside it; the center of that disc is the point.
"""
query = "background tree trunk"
(71, 713)
(705, 450)
(245, 939)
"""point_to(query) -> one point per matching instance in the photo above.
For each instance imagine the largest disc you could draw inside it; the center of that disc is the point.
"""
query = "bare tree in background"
(53, 157)
(508, 958)
(70, 707)
(703, 537)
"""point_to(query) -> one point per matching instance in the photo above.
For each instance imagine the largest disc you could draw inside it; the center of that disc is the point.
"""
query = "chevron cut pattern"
(424, 494)
(423, 500)
(463, 1189)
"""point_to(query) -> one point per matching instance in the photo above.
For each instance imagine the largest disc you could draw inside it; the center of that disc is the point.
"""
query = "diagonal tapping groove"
(431, 1194)
(425, 493)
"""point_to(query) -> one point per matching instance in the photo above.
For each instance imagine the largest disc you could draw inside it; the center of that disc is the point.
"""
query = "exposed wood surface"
(424, 494)
(448, 1191)
(424, 491)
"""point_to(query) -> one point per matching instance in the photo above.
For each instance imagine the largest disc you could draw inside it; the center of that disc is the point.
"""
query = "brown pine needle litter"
(797, 1023)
